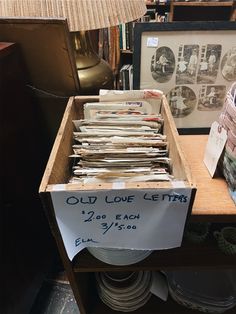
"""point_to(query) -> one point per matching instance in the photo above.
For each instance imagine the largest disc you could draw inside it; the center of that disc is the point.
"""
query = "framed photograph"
(193, 63)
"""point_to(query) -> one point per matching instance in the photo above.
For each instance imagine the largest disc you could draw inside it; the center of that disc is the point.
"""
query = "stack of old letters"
(120, 141)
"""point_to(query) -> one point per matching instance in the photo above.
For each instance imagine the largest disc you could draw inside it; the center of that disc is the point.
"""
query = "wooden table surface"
(212, 201)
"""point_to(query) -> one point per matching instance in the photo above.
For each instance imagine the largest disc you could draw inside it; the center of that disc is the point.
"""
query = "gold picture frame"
(46, 46)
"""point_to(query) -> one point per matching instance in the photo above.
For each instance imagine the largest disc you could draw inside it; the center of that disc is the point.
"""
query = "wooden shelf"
(154, 306)
(212, 202)
(203, 4)
(202, 11)
(127, 51)
(206, 255)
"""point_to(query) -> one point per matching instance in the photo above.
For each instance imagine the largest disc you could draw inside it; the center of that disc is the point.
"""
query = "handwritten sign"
(133, 219)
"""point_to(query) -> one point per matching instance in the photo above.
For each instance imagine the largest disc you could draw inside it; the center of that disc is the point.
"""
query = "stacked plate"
(124, 291)
(206, 291)
(119, 257)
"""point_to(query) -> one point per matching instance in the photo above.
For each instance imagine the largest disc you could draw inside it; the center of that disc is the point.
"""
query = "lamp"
(82, 16)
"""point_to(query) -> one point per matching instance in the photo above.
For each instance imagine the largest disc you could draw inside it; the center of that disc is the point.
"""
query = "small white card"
(152, 42)
(214, 148)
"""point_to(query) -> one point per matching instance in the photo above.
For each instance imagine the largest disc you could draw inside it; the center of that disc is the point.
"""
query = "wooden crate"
(58, 168)
(58, 171)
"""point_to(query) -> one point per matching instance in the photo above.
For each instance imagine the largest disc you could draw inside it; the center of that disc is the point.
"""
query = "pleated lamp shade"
(81, 14)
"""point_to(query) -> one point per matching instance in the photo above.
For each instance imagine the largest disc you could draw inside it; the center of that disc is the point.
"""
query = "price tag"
(148, 219)
(152, 42)
(214, 148)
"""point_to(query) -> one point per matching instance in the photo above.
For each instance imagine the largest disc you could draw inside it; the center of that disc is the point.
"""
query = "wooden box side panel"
(58, 168)
(180, 167)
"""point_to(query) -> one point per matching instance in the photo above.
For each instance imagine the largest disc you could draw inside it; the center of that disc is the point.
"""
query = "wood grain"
(212, 201)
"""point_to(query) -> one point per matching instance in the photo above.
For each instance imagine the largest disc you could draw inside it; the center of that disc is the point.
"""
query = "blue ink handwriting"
(93, 216)
(73, 200)
(79, 241)
(115, 225)
(119, 199)
(169, 197)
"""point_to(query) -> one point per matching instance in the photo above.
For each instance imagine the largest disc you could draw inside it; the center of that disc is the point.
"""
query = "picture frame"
(47, 50)
(193, 63)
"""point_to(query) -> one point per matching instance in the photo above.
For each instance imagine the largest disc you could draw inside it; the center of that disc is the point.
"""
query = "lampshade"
(82, 16)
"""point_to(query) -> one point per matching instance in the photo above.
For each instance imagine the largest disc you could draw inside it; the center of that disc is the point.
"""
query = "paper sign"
(214, 148)
(134, 219)
(152, 42)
